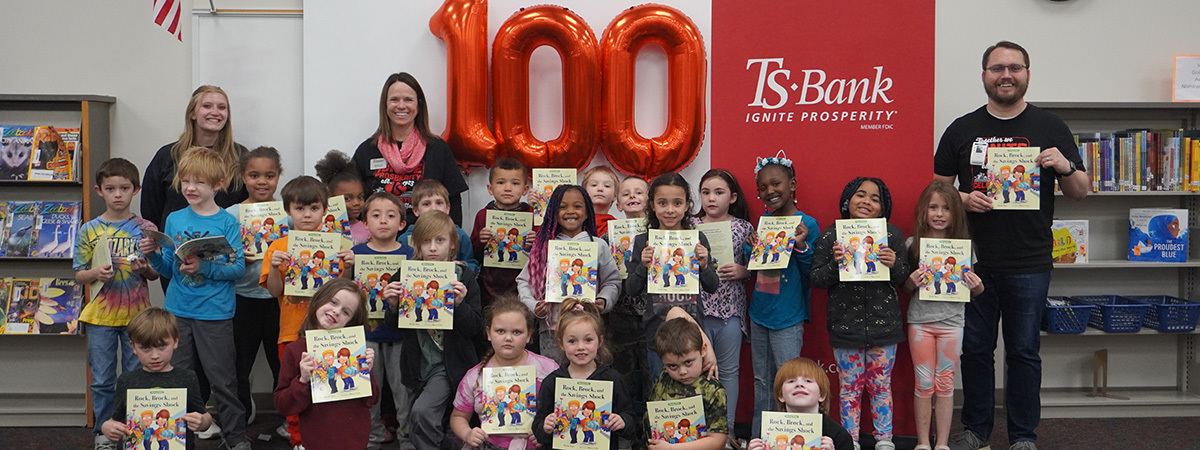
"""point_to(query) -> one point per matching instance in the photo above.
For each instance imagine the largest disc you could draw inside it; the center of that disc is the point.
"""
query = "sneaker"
(967, 440)
(884, 444)
(102, 443)
(298, 447)
(1023, 445)
(857, 446)
(210, 433)
(283, 432)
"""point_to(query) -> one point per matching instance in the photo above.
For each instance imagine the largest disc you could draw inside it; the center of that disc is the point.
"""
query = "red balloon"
(515, 42)
(686, 67)
(462, 24)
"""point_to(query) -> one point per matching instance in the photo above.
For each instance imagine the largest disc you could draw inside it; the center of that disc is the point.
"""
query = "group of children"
(651, 346)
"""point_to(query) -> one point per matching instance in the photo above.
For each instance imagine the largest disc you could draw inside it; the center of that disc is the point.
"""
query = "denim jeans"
(102, 345)
(1015, 302)
(726, 337)
(769, 350)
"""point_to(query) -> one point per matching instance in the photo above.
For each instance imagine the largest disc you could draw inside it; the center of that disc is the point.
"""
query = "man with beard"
(1012, 246)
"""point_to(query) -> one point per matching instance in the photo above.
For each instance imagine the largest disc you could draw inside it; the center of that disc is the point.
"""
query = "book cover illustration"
(25, 296)
(22, 228)
(50, 156)
(5, 296)
(510, 399)
(776, 238)
(677, 421)
(791, 431)
(621, 234)
(3, 228)
(861, 240)
(16, 148)
(674, 269)
(73, 140)
(262, 224)
(101, 256)
(571, 270)
(154, 418)
(372, 273)
(1070, 241)
(544, 183)
(341, 370)
(214, 249)
(427, 301)
(582, 408)
(1158, 234)
(506, 249)
(314, 259)
(1013, 180)
(337, 220)
(944, 262)
(56, 234)
(59, 306)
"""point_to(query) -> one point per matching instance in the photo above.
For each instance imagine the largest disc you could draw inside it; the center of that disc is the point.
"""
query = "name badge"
(978, 153)
(380, 163)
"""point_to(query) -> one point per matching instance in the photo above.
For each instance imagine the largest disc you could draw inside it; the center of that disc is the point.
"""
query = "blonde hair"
(224, 146)
(575, 310)
(431, 224)
(204, 163)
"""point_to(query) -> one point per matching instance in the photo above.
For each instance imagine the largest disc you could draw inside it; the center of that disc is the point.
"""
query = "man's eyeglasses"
(1012, 68)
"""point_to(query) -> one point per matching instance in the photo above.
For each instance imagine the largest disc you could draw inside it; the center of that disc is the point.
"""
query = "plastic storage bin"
(1167, 313)
(1114, 313)
(1064, 317)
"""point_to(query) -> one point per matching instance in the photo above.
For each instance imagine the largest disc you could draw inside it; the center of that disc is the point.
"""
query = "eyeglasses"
(1012, 68)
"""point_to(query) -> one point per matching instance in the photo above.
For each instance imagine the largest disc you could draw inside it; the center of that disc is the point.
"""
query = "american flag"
(166, 15)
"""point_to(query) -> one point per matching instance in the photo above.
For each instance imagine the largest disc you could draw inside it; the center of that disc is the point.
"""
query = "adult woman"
(403, 150)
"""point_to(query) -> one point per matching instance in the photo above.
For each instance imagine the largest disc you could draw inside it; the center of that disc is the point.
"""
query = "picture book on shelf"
(428, 298)
(22, 227)
(1013, 180)
(262, 224)
(776, 238)
(25, 296)
(506, 249)
(677, 421)
(59, 306)
(674, 268)
(56, 234)
(621, 233)
(5, 296)
(720, 241)
(510, 399)
(571, 270)
(314, 260)
(50, 160)
(3, 228)
(341, 371)
(372, 273)
(791, 431)
(154, 419)
(544, 183)
(943, 263)
(1158, 234)
(583, 408)
(16, 148)
(73, 140)
(861, 240)
(1070, 241)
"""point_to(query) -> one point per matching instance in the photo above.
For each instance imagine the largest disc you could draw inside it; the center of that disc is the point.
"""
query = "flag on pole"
(166, 15)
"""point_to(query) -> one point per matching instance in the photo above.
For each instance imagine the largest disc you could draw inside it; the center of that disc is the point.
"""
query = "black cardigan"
(462, 343)
(622, 404)
(863, 313)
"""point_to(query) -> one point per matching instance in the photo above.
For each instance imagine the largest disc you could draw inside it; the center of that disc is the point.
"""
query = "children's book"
(5, 295)
(791, 431)
(1013, 180)
(544, 183)
(341, 371)
(674, 269)
(23, 224)
(583, 408)
(59, 306)
(25, 296)
(861, 241)
(337, 220)
(506, 249)
(428, 299)
(1158, 234)
(372, 273)
(154, 418)
(1070, 241)
(621, 234)
(262, 224)
(16, 147)
(776, 238)
(73, 140)
(3, 228)
(571, 270)
(215, 249)
(101, 256)
(314, 260)
(720, 241)
(50, 156)
(677, 421)
(56, 234)
(943, 263)
(510, 399)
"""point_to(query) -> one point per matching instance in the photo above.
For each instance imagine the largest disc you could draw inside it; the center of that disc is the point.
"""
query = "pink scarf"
(405, 158)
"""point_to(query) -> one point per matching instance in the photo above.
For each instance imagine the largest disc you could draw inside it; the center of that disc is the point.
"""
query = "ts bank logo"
(814, 96)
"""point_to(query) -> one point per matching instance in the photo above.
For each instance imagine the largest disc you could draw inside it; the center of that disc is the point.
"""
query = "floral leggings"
(870, 368)
(935, 353)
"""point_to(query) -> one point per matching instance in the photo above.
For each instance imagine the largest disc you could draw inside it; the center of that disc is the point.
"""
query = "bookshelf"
(1159, 372)
(49, 387)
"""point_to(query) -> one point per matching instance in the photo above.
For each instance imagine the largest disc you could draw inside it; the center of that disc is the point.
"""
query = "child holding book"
(330, 425)
(625, 336)
(508, 181)
(508, 326)
(573, 220)
(124, 292)
(782, 298)
(437, 360)
(430, 195)
(682, 346)
(865, 353)
(202, 296)
(801, 386)
(341, 176)
(935, 329)
(384, 219)
(155, 337)
(601, 182)
(580, 333)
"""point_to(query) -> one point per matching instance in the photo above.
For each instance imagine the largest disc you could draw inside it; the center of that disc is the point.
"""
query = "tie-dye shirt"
(126, 293)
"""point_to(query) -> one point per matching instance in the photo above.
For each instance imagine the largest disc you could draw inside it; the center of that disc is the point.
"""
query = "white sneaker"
(210, 433)
(102, 443)
(283, 432)
(298, 447)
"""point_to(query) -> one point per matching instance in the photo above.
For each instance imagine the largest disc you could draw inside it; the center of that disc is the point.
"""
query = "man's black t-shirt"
(1007, 241)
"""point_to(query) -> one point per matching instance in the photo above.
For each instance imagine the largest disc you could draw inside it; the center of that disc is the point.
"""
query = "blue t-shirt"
(209, 293)
(376, 330)
(465, 253)
(791, 305)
